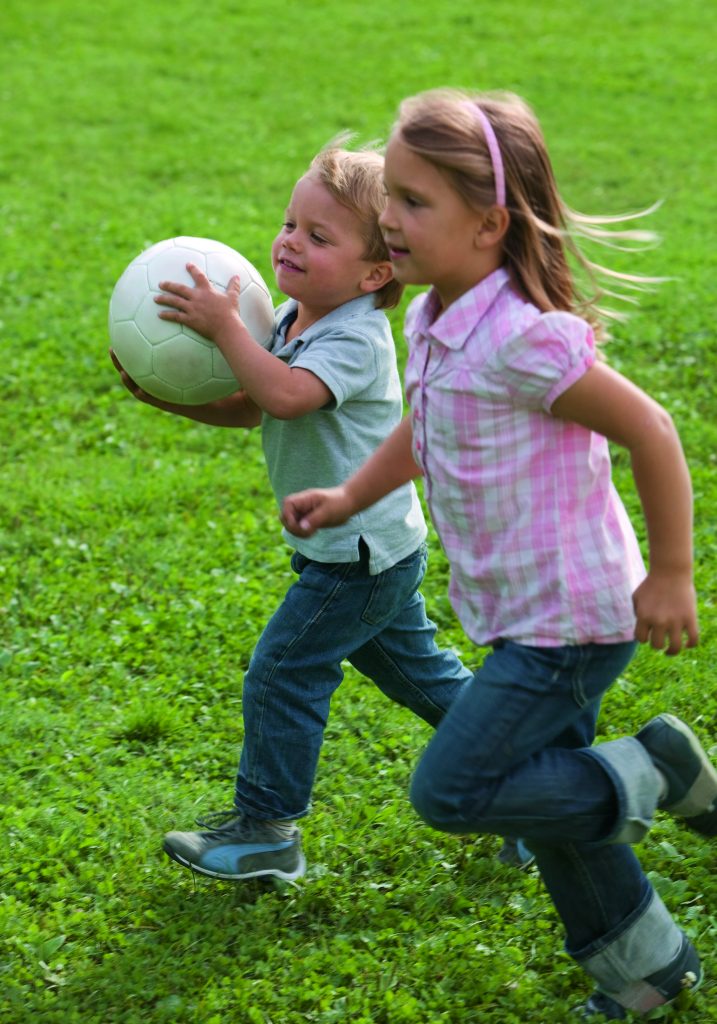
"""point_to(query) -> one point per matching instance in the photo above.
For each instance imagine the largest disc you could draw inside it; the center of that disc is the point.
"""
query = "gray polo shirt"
(351, 350)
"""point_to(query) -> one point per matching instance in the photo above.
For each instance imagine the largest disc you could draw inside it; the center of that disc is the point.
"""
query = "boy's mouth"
(289, 264)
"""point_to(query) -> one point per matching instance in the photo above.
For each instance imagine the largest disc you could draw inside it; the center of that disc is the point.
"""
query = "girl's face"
(318, 254)
(431, 232)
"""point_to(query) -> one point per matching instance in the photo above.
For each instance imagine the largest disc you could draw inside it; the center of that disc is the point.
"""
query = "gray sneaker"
(236, 846)
(690, 775)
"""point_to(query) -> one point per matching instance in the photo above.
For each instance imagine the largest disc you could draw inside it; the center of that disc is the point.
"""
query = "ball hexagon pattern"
(168, 360)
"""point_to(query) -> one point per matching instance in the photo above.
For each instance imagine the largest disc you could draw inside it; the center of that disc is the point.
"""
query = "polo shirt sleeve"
(344, 358)
(537, 364)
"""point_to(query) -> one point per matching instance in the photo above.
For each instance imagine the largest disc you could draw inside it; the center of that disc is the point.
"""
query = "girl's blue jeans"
(330, 613)
(513, 757)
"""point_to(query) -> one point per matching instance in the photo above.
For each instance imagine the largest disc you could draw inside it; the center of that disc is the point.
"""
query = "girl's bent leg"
(494, 764)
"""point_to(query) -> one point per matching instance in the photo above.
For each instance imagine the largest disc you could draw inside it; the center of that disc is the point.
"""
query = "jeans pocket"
(392, 588)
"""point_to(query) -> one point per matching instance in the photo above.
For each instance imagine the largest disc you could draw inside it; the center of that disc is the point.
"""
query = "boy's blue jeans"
(330, 613)
(513, 757)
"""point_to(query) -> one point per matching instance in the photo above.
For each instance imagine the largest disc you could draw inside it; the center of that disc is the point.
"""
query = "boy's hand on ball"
(204, 308)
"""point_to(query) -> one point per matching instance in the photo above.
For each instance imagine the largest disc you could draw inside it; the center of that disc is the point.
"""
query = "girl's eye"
(288, 225)
(318, 239)
(412, 202)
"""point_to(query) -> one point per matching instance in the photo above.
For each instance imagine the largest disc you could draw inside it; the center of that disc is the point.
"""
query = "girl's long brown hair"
(441, 127)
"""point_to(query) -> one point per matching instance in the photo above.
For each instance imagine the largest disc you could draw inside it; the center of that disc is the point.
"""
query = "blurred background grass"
(140, 555)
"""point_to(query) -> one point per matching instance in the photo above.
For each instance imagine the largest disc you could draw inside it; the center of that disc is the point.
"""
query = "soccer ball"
(167, 359)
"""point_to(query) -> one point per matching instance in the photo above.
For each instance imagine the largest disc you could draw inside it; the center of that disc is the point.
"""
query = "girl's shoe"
(658, 989)
(689, 774)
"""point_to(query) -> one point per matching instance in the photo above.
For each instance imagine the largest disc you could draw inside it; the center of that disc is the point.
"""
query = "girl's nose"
(385, 218)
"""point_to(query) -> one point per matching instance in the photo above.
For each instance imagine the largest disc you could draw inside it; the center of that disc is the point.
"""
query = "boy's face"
(318, 254)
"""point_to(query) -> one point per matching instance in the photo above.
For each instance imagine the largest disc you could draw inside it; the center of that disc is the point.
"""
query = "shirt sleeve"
(539, 363)
(344, 359)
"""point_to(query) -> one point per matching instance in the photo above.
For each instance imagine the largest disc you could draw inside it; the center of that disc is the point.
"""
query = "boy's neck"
(306, 317)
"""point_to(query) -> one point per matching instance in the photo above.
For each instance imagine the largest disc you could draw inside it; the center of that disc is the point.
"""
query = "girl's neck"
(448, 296)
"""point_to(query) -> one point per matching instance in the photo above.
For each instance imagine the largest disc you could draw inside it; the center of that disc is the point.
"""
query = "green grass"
(140, 555)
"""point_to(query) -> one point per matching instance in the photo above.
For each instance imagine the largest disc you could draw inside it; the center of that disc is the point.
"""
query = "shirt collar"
(453, 326)
(354, 307)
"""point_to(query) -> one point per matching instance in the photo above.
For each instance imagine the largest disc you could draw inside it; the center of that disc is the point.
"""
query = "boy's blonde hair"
(355, 179)
(442, 126)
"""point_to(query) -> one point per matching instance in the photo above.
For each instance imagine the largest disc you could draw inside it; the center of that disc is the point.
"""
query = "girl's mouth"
(396, 254)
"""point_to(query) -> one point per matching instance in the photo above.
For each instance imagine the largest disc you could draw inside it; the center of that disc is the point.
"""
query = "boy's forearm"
(237, 410)
(275, 387)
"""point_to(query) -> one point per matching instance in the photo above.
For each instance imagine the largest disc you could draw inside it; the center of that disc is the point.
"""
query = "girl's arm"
(391, 466)
(280, 390)
(236, 410)
(609, 404)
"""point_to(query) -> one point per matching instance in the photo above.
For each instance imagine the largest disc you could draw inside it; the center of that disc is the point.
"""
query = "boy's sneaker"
(682, 975)
(688, 772)
(236, 846)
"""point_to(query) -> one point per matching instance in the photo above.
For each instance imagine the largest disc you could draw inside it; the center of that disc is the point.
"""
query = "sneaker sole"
(702, 794)
(287, 876)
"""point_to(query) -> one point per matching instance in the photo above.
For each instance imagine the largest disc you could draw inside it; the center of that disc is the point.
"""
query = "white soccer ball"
(169, 360)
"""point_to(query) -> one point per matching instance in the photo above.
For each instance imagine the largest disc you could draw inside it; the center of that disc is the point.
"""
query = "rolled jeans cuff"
(637, 786)
(649, 944)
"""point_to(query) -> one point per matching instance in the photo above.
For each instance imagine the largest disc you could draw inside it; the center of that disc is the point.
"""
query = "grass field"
(140, 554)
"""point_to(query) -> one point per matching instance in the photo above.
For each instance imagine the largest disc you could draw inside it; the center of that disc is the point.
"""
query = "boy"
(326, 394)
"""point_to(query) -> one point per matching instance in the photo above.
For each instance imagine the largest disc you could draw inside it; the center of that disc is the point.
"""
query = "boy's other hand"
(131, 385)
(308, 511)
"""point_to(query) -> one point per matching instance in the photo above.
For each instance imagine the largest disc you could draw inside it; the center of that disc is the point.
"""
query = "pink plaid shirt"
(540, 547)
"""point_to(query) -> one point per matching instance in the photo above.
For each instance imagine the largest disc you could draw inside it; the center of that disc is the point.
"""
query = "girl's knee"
(435, 806)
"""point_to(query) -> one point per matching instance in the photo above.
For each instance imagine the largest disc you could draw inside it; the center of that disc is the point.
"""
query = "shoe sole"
(702, 794)
(286, 876)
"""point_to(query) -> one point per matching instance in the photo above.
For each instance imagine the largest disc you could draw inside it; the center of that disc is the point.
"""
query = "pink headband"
(494, 150)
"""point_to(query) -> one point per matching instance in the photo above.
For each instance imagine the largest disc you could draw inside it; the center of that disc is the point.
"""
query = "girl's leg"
(510, 758)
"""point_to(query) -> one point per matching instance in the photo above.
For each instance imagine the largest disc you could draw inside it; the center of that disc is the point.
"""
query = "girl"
(510, 415)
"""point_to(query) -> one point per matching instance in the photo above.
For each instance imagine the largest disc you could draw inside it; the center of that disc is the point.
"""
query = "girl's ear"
(379, 275)
(493, 227)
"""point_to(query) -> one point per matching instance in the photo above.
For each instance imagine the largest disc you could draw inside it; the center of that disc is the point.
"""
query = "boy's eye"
(318, 239)
(288, 225)
(412, 202)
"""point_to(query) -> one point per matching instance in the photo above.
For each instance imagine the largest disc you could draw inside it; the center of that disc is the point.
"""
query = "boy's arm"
(609, 404)
(280, 390)
(237, 410)
(391, 466)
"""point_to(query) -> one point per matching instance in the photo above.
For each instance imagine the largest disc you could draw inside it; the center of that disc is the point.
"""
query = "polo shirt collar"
(354, 307)
(453, 326)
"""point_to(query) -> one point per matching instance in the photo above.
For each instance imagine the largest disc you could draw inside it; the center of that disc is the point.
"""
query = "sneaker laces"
(216, 819)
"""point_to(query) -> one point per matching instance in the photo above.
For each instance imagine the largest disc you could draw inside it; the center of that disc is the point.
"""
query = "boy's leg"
(296, 667)
(493, 766)
(407, 665)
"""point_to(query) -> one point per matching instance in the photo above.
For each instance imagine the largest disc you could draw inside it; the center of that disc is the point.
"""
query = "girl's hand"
(666, 609)
(308, 511)
(204, 308)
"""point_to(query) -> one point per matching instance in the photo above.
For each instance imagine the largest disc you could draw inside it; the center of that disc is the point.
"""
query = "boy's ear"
(379, 275)
(493, 227)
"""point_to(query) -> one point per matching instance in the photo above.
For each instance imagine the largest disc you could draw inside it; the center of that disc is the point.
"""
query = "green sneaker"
(236, 846)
